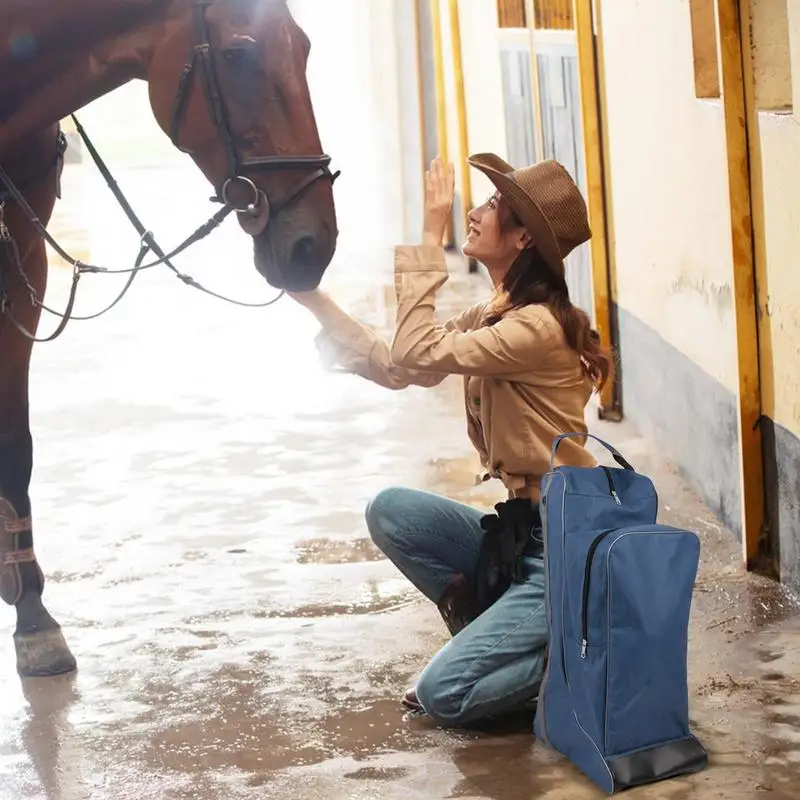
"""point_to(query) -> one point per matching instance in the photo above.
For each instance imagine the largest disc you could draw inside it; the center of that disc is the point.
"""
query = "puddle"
(328, 551)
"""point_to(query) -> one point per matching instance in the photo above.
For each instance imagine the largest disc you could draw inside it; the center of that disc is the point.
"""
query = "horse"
(227, 83)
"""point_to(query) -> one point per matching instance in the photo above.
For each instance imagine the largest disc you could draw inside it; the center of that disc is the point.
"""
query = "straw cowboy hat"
(547, 201)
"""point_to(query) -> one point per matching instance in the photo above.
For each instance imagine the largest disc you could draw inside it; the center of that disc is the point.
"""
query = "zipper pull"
(616, 497)
(584, 645)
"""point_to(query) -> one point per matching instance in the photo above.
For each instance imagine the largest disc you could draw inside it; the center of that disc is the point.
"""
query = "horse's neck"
(62, 54)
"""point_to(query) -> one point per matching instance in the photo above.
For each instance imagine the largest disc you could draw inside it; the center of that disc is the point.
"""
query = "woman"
(530, 362)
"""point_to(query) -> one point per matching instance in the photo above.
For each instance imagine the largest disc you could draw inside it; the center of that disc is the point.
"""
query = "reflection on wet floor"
(325, 551)
(199, 515)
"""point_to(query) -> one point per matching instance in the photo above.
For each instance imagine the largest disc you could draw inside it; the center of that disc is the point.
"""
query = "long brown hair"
(529, 280)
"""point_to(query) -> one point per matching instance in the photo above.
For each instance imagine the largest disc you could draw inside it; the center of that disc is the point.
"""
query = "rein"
(148, 243)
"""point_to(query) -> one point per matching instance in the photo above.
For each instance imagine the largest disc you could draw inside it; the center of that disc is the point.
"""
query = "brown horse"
(227, 83)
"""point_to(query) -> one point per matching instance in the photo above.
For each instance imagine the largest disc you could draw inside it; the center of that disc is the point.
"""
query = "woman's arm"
(350, 346)
(504, 349)
(510, 346)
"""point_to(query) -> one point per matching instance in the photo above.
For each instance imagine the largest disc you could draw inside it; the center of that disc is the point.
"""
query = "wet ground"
(198, 496)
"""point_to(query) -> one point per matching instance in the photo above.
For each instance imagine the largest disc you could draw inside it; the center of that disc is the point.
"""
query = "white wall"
(669, 185)
(486, 123)
(353, 88)
(483, 89)
(409, 124)
(779, 138)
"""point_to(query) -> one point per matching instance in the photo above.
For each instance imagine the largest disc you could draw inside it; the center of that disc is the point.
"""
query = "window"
(704, 48)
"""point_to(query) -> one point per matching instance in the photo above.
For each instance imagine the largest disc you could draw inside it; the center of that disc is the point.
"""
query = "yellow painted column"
(420, 88)
(767, 387)
(441, 95)
(590, 76)
(744, 297)
(461, 108)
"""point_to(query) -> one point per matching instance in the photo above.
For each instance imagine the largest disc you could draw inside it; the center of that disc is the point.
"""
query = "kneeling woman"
(530, 362)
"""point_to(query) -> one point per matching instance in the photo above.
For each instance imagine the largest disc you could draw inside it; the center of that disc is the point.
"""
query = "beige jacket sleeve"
(347, 345)
(508, 348)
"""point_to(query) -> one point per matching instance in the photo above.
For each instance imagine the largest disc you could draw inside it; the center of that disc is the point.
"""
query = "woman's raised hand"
(439, 188)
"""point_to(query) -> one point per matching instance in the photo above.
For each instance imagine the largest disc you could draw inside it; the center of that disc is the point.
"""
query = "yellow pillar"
(590, 78)
(420, 86)
(441, 95)
(734, 102)
(461, 108)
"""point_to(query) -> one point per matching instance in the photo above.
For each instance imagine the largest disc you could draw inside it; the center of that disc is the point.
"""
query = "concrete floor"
(199, 517)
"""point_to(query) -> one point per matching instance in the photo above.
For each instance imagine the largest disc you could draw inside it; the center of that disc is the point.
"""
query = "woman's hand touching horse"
(439, 188)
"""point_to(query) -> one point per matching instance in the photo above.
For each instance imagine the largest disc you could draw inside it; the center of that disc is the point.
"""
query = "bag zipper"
(548, 612)
(587, 573)
(611, 487)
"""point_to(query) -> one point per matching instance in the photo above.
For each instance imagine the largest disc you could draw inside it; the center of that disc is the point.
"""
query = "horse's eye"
(238, 57)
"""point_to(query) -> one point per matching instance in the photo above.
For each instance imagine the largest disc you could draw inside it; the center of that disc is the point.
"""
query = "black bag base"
(664, 761)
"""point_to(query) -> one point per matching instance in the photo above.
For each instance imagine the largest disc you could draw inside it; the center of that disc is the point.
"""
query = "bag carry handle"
(614, 452)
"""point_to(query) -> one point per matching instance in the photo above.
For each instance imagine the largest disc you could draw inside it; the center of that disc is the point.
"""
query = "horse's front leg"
(40, 646)
(39, 643)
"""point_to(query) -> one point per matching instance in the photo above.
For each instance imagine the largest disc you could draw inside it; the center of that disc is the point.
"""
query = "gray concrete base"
(782, 480)
(687, 414)
(692, 419)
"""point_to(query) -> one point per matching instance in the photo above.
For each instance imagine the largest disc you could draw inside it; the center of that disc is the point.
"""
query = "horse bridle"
(257, 213)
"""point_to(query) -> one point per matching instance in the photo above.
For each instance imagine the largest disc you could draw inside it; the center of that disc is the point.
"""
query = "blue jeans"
(494, 664)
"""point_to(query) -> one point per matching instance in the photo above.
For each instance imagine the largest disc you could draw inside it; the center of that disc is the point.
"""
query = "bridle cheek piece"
(257, 213)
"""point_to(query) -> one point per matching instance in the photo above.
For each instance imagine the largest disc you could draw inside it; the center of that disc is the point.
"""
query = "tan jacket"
(523, 385)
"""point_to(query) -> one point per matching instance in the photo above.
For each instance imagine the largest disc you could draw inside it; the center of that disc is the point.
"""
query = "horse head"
(228, 84)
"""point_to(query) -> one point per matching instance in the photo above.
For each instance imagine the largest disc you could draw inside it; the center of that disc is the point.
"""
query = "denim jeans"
(496, 663)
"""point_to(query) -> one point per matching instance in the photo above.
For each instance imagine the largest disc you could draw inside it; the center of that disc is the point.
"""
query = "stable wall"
(671, 246)
(778, 211)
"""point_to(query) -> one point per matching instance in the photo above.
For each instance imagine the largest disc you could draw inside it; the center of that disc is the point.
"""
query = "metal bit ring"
(250, 208)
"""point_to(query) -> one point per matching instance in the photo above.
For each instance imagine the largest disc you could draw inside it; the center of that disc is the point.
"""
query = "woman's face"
(493, 238)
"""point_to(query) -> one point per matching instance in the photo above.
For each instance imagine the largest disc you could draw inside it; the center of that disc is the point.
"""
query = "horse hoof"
(43, 654)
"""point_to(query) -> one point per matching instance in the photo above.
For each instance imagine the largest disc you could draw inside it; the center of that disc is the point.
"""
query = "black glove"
(507, 536)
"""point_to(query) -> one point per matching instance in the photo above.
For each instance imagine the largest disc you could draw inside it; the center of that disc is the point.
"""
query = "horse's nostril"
(304, 251)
